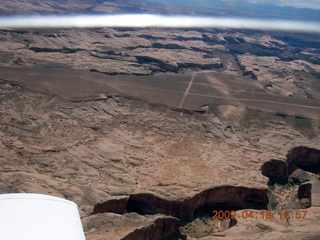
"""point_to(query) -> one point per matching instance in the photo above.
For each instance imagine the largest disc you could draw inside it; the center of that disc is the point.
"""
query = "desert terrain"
(151, 130)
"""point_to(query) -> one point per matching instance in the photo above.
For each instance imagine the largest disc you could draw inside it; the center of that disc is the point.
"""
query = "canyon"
(150, 130)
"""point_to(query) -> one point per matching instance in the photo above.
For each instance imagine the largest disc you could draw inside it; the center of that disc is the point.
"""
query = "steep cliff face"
(291, 181)
(305, 196)
(131, 226)
(189, 210)
(306, 158)
(276, 171)
(118, 205)
(146, 203)
(193, 211)
(162, 228)
(301, 162)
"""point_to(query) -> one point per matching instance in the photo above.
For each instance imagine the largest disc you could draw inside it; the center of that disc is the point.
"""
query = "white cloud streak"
(148, 20)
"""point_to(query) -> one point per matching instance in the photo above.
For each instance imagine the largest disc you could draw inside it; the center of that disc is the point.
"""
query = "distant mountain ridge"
(311, 4)
(308, 10)
(269, 9)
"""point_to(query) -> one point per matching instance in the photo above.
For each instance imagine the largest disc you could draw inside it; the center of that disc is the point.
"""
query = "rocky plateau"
(151, 130)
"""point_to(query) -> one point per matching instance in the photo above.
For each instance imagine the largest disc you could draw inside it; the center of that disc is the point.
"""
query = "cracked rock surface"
(92, 151)
(151, 130)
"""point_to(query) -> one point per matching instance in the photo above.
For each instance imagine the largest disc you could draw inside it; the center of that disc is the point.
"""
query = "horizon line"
(153, 20)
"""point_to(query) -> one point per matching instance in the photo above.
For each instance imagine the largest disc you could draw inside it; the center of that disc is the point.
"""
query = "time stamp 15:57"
(263, 214)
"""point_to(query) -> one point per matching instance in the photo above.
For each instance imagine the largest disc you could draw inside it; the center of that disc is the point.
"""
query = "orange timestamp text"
(263, 214)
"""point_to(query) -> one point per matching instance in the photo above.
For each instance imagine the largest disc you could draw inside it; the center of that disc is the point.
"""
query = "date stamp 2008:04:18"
(263, 214)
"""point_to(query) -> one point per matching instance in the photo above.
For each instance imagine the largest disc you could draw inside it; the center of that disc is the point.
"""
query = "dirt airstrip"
(187, 91)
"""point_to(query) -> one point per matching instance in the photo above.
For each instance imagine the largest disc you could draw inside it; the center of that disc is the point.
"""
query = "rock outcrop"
(305, 191)
(118, 205)
(304, 196)
(146, 203)
(162, 228)
(276, 171)
(301, 162)
(306, 158)
(300, 176)
(183, 210)
(288, 179)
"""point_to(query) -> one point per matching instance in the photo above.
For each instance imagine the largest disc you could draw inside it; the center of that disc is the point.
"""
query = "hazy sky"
(149, 20)
(294, 3)
(315, 4)
(239, 14)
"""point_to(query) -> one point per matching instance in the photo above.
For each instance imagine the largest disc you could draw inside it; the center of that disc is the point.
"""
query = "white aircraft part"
(39, 217)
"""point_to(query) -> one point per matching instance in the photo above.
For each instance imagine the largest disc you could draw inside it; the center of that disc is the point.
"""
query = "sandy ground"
(177, 129)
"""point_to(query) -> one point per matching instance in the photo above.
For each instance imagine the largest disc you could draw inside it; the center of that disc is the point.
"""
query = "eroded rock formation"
(184, 209)
(162, 228)
(133, 151)
(300, 163)
(146, 203)
(118, 205)
(306, 158)
(305, 191)
(295, 184)
(275, 170)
